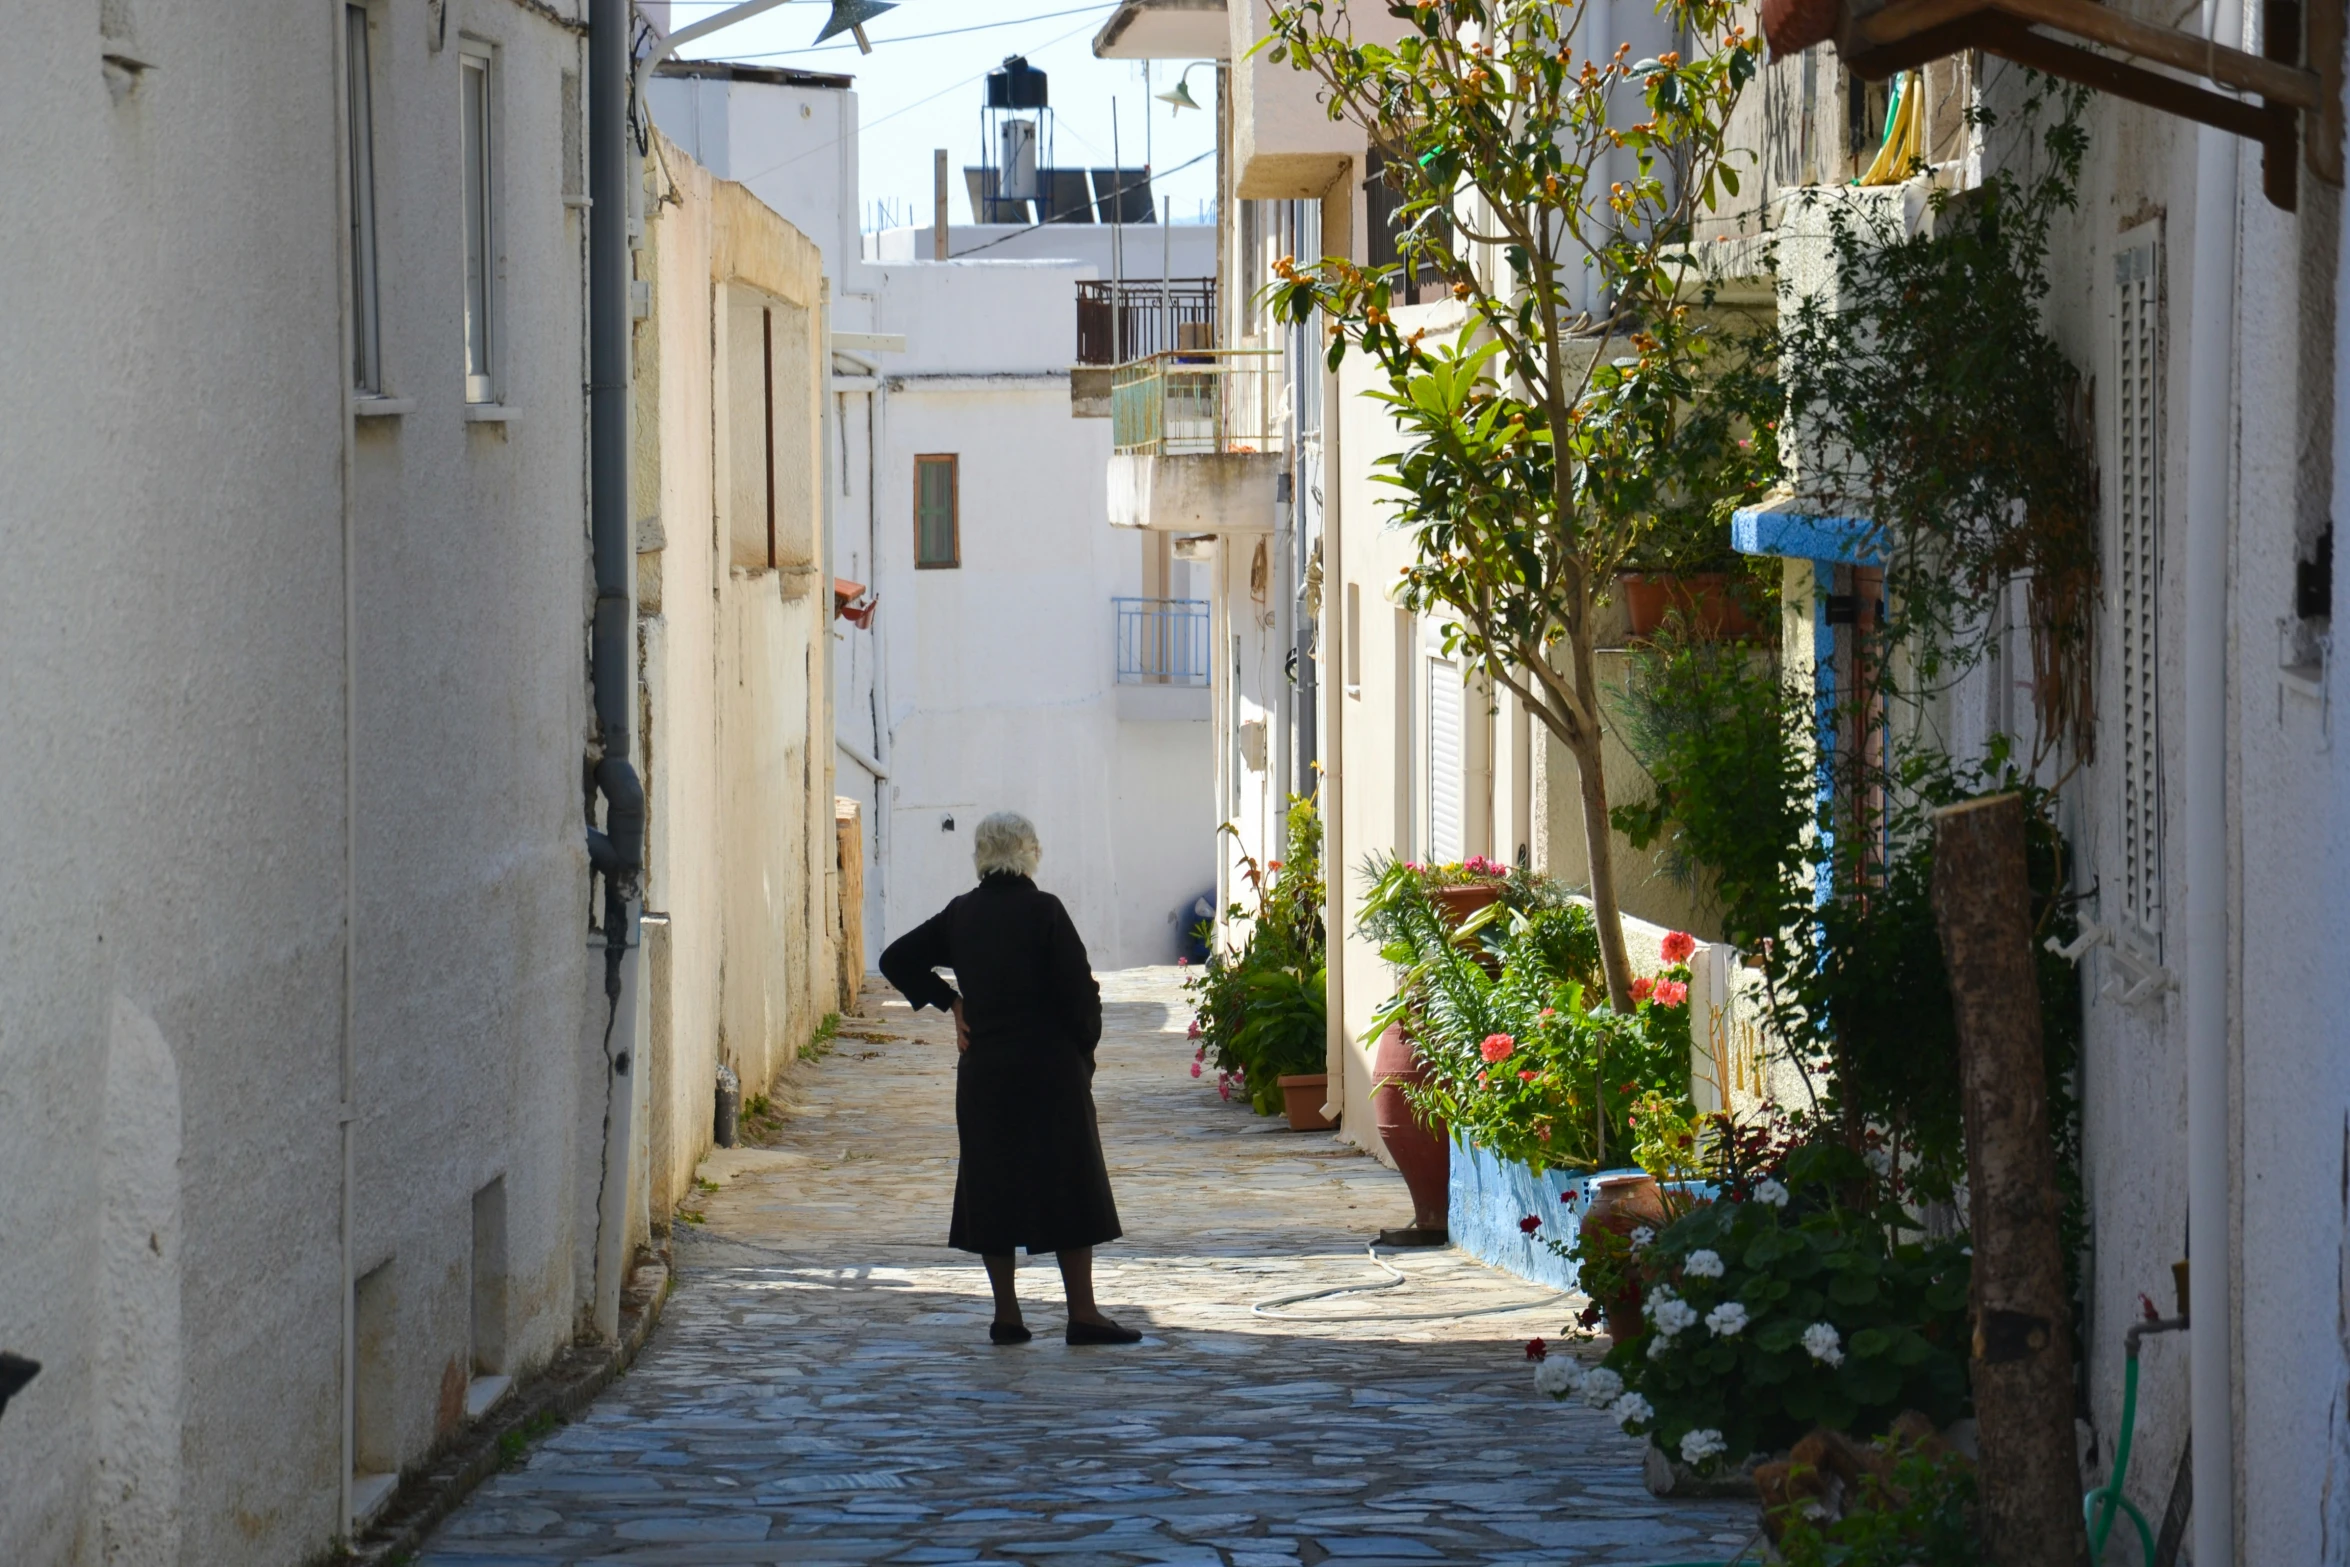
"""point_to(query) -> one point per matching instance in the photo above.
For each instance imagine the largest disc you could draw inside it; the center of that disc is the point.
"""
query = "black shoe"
(1103, 1333)
(1007, 1333)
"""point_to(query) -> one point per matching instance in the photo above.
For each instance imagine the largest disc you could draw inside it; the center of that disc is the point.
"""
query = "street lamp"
(1178, 97)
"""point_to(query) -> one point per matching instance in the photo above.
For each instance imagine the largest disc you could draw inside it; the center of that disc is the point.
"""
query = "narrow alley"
(820, 1387)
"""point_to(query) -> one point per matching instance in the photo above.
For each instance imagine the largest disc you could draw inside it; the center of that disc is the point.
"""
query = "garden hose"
(2099, 1506)
(1395, 1279)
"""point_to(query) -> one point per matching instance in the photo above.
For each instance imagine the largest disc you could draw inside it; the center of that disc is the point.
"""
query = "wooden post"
(938, 205)
(848, 830)
(2023, 1359)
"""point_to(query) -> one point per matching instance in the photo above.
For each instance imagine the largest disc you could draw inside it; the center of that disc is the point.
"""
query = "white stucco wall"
(991, 686)
(172, 477)
(738, 723)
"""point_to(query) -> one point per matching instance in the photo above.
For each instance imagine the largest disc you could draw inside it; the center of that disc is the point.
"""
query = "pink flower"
(1201, 1054)
(1677, 946)
(1183, 962)
(1529, 1224)
(1550, 1012)
(1223, 1086)
(1536, 1349)
(1497, 1047)
(1194, 1034)
(1671, 993)
(1239, 1072)
(1642, 989)
(1526, 1076)
(1483, 1078)
(1195, 1069)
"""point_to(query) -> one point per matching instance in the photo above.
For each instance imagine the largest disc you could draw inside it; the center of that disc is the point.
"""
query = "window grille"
(2137, 578)
(359, 105)
(938, 530)
(1446, 724)
(480, 196)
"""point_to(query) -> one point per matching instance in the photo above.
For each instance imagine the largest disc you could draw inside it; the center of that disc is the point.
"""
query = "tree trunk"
(1607, 915)
(2023, 1356)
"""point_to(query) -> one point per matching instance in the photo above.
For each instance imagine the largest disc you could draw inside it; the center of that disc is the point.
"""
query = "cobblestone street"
(821, 1389)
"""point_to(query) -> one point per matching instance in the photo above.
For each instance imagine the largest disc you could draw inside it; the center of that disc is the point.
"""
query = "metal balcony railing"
(1187, 405)
(1118, 321)
(1161, 642)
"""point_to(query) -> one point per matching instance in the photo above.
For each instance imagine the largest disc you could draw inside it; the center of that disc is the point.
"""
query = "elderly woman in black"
(1026, 1025)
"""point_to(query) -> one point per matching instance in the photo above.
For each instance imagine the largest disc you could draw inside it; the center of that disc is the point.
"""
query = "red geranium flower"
(1526, 1076)
(1537, 1350)
(1497, 1047)
(1643, 988)
(1671, 993)
(1678, 945)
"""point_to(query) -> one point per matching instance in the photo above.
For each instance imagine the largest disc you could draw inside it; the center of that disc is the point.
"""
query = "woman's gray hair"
(1006, 844)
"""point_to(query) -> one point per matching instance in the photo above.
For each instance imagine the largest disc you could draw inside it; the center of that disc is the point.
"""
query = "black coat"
(1031, 1173)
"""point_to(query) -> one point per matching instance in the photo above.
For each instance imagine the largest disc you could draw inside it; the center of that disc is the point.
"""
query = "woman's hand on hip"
(962, 1029)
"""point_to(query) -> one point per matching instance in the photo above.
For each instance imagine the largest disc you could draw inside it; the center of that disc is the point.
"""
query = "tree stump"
(2022, 1368)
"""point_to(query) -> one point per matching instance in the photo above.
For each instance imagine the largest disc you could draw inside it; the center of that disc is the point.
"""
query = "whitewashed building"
(966, 511)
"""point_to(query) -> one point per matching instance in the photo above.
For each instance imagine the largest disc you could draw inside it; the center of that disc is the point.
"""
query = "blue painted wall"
(1488, 1199)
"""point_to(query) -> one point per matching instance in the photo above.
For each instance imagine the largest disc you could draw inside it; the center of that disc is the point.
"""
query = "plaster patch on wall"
(137, 1366)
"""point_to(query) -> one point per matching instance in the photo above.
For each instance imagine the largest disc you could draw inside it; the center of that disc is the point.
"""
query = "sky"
(918, 93)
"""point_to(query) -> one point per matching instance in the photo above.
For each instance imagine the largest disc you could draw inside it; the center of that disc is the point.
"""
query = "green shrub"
(1261, 1012)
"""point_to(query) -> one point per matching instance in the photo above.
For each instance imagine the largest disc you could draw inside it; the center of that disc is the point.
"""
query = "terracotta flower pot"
(1302, 1096)
(1705, 599)
(1422, 1152)
(1621, 1205)
(1456, 904)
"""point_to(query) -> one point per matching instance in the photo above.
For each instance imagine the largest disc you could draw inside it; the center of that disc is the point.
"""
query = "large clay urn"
(1457, 903)
(1422, 1152)
(1622, 1204)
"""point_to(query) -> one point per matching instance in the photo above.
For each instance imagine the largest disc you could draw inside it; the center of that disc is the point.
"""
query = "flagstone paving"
(821, 1389)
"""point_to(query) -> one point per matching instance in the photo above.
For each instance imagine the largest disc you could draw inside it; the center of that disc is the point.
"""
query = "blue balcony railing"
(1211, 403)
(1161, 642)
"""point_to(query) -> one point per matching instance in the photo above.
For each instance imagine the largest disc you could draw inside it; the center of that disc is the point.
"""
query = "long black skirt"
(1031, 1173)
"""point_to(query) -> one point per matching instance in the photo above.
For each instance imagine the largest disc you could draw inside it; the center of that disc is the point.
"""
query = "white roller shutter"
(1446, 699)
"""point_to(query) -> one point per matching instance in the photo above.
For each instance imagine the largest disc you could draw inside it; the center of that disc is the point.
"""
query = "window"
(938, 534)
(1353, 632)
(480, 194)
(2137, 580)
(359, 132)
(1446, 723)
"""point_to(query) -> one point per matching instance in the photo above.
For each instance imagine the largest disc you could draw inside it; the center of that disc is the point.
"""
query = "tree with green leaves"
(1551, 180)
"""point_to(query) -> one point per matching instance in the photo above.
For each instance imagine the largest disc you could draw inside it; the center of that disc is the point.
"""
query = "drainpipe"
(2203, 811)
(616, 852)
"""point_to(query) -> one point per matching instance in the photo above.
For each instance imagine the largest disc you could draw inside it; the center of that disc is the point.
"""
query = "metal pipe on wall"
(616, 851)
(2203, 811)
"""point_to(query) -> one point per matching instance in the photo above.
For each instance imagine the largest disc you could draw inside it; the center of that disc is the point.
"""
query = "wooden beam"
(2279, 83)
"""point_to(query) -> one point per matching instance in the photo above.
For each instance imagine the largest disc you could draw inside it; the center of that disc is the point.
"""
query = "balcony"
(1133, 319)
(1196, 440)
(1162, 659)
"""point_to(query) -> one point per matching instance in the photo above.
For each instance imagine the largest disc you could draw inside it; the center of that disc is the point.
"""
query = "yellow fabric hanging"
(1904, 135)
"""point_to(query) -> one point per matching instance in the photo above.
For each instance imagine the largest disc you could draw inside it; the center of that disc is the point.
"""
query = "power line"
(944, 32)
(906, 109)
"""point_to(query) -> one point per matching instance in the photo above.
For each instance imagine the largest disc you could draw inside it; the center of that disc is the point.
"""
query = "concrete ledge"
(1089, 391)
(1211, 492)
(429, 1492)
(1142, 704)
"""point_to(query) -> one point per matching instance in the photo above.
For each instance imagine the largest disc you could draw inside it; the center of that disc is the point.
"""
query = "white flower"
(1631, 1410)
(1701, 1446)
(1727, 1320)
(1824, 1344)
(1556, 1375)
(1641, 1236)
(1671, 1316)
(1880, 1160)
(1703, 1265)
(1770, 1193)
(1601, 1387)
(1659, 1346)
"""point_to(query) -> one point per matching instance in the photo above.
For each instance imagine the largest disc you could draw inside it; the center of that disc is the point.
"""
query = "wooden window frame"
(954, 467)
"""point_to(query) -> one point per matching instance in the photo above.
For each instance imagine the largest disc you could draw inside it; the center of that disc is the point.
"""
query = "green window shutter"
(935, 533)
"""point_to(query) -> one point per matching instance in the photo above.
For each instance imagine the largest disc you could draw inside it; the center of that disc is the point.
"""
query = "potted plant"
(1260, 1013)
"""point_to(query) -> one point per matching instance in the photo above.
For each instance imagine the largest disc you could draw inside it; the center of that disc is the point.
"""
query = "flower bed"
(1491, 1200)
